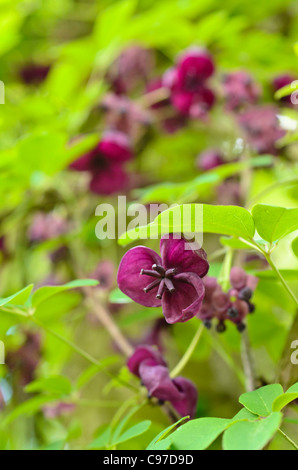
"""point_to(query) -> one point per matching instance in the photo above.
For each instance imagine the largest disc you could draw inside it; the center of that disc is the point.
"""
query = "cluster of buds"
(46, 226)
(232, 306)
(149, 365)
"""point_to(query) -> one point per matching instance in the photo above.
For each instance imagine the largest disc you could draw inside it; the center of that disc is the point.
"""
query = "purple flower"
(105, 163)
(280, 82)
(105, 274)
(187, 82)
(239, 89)
(172, 280)
(234, 305)
(58, 409)
(131, 69)
(34, 74)
(262, 128)
(47, 226)
(148, 364)
(209, 159)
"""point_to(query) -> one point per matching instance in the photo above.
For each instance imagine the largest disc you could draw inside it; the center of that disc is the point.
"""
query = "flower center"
(163, 279)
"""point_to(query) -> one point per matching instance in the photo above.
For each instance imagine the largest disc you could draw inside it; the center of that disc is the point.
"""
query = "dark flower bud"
(245, 294)
(221, 327)
(241, 327)
(232, 312)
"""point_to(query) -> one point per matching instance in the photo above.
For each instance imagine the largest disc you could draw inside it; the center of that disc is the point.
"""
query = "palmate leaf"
(196, 218)
(273, 222)
(251, 435)
(19, 298)
(260, 401)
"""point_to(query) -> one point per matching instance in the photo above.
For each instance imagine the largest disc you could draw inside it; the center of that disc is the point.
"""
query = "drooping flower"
(232, 306)
(209, 159)
(58, 409)
(172, 280)
(190, 94)
(261, 127)
(105, 163)
(148, 364)
(239, 90)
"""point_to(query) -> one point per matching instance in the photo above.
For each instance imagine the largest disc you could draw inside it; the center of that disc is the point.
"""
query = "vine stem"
(108, 323)
(187, 355)
(248, 363)
(282, 279)
(288, 439)
(78, 350)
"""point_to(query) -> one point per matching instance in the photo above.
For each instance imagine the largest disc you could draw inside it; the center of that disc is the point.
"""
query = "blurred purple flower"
(34, 74)
(24, 361)
(209, 159)
(172, 281)
(105, 163)
(131, 69)
(46, 226)
(187, 82)
(105, 274)
(239, 89)
(148, 364)
(57, 410)
(262, 128)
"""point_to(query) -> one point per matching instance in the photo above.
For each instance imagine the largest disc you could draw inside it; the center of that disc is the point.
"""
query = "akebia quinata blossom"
(190, 94)
(149, 365)
(105, 163)
(232, 306)
(172, 281)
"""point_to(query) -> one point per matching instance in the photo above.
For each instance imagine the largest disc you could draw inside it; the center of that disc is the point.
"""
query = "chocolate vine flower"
(239, 89)
(234, 305)
(105, 163)
(172, 280)
(187, 82)
(262, 129)
(148, 364)
(209, 159)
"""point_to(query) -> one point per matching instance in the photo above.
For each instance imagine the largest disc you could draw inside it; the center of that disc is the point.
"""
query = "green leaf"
(283, 400)
(134, 431)
(102, 439)
(260, 401)
(19, 298)
(60, 385)
(251, 435)
(196, 218)
(46, 292)
(198, 434)
(28, 408)
(161, 437)
(295, 246)
(273, 222)
(117, 297)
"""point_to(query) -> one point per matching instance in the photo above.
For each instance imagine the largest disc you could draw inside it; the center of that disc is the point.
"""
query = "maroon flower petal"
(144, 353)
(185, 302)
(188, 403)
(116, 146)
(108, 180)
(84, 163)
(132, 282)
(158, 382)
(174, 254)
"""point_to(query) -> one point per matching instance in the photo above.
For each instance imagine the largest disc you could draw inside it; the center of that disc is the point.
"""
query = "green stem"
(288, 439)
(282, 279)
(79, 351)
(185, 358)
